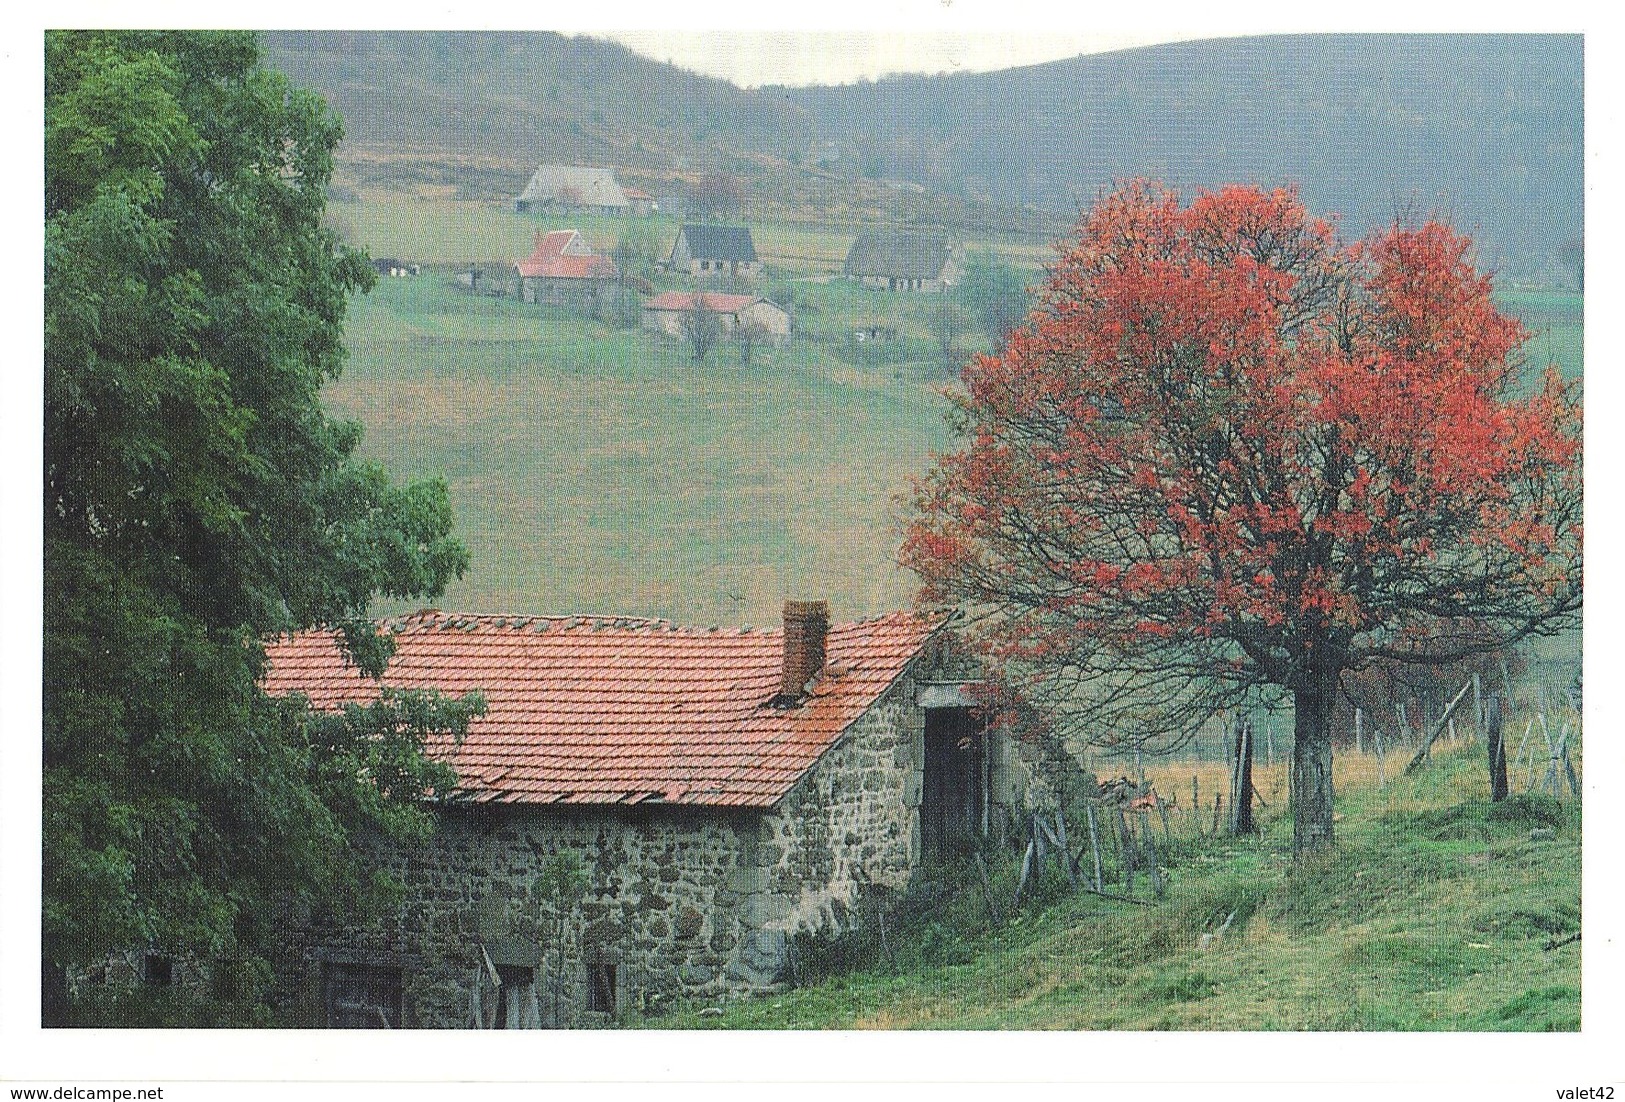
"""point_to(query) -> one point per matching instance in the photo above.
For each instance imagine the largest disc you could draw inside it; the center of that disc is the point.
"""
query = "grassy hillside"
(595, 469)
(1433, 913)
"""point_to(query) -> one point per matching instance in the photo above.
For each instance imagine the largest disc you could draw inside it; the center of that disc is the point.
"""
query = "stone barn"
(572, 189)
(563, 271)
(670, 313)
(724, 790)
(903, 261)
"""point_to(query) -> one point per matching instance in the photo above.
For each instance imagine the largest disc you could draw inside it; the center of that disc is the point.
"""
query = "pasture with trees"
(1231, 451)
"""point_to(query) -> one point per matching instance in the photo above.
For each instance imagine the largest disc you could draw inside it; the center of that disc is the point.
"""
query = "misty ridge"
(1485, 130)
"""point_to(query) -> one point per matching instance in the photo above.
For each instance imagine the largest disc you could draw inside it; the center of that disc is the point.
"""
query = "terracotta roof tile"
(596, 710)
(715, 302)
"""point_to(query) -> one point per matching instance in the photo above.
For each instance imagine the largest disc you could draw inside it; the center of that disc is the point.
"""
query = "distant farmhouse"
(902, 261)
(702, 250)
(563, 271)
(722, 791)
(668, 313)
(574, 190)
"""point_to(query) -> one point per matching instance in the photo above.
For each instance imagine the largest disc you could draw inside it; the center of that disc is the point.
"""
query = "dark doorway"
(360, 996)
(951, 803)
(601, 988)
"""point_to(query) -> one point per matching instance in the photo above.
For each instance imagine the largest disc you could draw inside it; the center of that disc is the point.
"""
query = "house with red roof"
(671, 313)
(563, 271)
(724, 790)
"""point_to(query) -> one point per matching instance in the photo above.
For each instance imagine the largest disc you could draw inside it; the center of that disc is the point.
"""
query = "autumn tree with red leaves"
(1229, 451)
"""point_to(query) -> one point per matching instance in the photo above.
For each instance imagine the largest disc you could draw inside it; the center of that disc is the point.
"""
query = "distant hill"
(470, 114)
(1486, 130)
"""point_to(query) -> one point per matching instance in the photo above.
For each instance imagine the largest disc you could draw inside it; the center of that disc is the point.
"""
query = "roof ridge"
(622, 619)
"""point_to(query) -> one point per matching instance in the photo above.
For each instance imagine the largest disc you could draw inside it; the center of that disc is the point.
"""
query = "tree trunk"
(1312, 763)
(1497, 748)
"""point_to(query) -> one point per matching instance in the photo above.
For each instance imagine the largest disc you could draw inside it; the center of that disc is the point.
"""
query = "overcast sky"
(751, 58)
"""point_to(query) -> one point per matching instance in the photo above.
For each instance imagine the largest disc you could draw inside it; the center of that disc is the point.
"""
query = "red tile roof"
(585, 710)
(558, 256)
(716, 303)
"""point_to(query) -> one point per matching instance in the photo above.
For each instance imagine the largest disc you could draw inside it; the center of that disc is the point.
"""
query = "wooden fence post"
(1497, 749)
(1157, 884)
(1094, 844)
(1128, 849)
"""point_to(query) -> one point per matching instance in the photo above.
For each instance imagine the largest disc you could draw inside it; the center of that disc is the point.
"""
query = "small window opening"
(157, 969)
(601, 988)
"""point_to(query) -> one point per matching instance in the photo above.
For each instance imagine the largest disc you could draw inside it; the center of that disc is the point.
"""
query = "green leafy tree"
(197, 499)
(995, 295)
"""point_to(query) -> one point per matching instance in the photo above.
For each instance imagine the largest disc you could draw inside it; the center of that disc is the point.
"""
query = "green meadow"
(602, 470)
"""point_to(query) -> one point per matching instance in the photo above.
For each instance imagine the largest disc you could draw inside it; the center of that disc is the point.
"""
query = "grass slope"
(595, 469)
(1432, 913)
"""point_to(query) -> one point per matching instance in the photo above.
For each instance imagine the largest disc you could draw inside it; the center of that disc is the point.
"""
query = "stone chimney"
(806, 627)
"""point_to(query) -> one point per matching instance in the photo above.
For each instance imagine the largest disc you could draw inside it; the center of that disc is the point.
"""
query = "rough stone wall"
(663, 906)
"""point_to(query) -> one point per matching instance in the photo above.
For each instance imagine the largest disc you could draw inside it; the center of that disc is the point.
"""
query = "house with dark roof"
(670, 312)
(708, 251)
(572, 189)
(724, 790)
(563, 271)
(896, 260)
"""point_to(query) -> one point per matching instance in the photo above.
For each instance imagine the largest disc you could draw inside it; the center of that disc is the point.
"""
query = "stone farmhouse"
(711, 251)
(891, 260)
(724, 791)
(573, 189)
(563, 271)
(669, 313)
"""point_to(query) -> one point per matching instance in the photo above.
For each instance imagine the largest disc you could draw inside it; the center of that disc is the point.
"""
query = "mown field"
(602, 470)
(1434, 912)
(596, 469)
